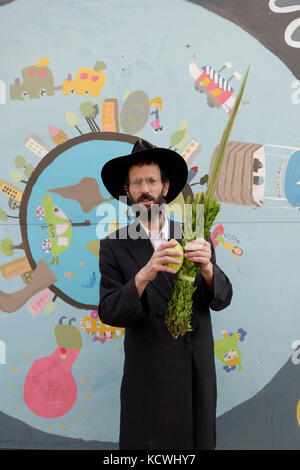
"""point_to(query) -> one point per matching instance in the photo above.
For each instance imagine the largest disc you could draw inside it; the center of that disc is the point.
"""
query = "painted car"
(218, 91)
(87, 82)
(37, 82)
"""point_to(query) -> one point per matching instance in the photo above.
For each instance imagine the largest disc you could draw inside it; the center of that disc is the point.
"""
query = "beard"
(147, 213)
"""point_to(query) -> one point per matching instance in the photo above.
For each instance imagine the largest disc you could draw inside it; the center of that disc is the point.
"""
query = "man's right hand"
(163, 254)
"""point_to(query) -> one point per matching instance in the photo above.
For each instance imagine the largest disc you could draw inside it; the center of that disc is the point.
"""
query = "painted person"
(157, 104)
(168, 390)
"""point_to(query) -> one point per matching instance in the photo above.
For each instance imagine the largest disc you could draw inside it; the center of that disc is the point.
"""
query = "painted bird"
(91, 282)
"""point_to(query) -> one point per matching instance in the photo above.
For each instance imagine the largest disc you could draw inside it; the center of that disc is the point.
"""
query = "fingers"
(167, 251)
(168, 244)
(199, 259)
(167, 269)
(170, 252)
(161, 262)
(198, 251)
(197, 244)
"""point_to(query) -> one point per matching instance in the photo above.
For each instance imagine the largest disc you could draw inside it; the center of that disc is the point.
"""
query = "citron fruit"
(177, 247)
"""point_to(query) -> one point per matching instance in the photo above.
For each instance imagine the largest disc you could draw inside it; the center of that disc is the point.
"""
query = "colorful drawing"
(191, 151)
(100, 331)
(216, 237)
(57, 135)
(69, 274)
(27, 168)
(38, 81)
(42, 278)
(59, 228)
(227, 351)
(11, 190)
(180, 137)
(5, 216)
(36, 305)
(192, 172)
(27, 277)
(90, 111)
(289, 35)
(157, 104)
(13, 205)
(298, 413)
(217, 89)
(110, 115)
(73, 120)
(94, 247)
(242, 162)
(87, 82)
(283, 164)
(15, 268)
(50, 389)
(36, 145)
(91, 281)
(7, 246)
(87, 193)
(135, 112)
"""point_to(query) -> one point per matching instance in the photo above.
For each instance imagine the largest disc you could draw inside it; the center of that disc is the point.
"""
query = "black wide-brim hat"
(114, 171)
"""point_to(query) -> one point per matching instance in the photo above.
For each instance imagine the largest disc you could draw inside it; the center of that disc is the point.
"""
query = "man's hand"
(163, 254)
(199, 251)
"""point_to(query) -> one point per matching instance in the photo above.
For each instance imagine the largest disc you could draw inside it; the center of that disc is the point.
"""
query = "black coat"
(168, 391)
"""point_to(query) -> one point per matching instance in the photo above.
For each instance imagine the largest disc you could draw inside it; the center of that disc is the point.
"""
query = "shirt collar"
(162, 235)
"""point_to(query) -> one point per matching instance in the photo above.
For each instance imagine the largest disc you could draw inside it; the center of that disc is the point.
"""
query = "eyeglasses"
(151, 181)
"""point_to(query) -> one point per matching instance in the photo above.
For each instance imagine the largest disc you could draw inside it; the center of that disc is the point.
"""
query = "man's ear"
(126, 189)
(166, 186)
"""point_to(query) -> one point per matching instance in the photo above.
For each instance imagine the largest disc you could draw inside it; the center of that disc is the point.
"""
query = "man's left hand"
(199, 251)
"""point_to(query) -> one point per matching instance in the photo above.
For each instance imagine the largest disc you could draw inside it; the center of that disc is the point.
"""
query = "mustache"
(145, 197)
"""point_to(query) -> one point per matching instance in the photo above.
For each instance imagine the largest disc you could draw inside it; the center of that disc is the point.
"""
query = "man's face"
(145, 186)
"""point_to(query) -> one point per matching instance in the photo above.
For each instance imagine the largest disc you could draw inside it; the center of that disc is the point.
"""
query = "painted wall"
(77, 86)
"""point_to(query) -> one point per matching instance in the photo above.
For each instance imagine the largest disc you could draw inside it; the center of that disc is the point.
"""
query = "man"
(168, 391)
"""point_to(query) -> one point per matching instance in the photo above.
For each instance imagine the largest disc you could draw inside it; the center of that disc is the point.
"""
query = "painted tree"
(5, 216)
(179, 139)
(89, 111)
(202, 182)
(21, 162)
(72, 120)
(17, 177)
(7, 247)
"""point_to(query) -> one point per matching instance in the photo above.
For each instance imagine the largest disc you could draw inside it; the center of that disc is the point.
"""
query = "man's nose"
(145, 186)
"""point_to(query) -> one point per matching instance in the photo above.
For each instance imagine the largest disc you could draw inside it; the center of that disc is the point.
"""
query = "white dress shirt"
(158, 237)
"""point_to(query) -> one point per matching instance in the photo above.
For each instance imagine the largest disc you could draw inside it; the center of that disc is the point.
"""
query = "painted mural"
(70, 104)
